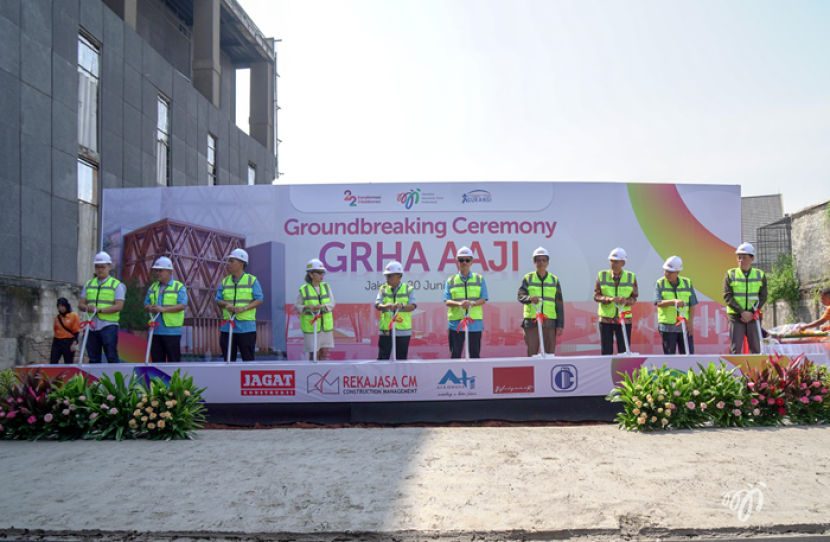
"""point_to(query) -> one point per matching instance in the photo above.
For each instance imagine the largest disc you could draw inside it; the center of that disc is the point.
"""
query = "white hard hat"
(163, 263)
(618, 254)
(314, 265)
(239, 254)
(746, 248)
(464, 251)
(673, 264)
(540, 252)
(392, 268)
(102, 257)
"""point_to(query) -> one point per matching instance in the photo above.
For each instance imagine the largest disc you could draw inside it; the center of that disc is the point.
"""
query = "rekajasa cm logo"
(408, 199)
(477, 196)
(317, 383)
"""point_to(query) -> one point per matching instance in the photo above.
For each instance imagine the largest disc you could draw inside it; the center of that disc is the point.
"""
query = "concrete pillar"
(262, 102)
(207, 63)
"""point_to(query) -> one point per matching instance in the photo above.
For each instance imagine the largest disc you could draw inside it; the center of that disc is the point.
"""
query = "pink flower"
(764, 385)
(110, 398)
(671, 406)
(66, 402)
(47, 418)
(19, 400)
(104, 406)
(771, 401)
(816, 384)
(81, 398)
(754, 402)
(823, 390)
(761, 396)
(736, 412)
(818, 399)
(803, 385)
(93, 415)
(676, 393)
(702, 406)
(804, 399)
(65, 412)
(720, 404)
(757, 412)
(690, 405)
(738, 402)
(751, 385)
(11, 414)
(113, 411)
(31, 420)
(2, 414)
(807, 393)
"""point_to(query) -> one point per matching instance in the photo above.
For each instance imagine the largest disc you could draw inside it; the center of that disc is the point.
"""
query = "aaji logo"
(267, 383)
(513, 380)
(477, 196)
(408, 199)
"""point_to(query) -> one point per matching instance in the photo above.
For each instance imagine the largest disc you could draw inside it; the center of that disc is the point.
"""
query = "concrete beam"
(262, 103)
(126, 9)
(207, 65)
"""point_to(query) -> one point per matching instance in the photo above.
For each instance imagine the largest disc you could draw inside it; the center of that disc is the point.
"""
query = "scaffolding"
(773, 239)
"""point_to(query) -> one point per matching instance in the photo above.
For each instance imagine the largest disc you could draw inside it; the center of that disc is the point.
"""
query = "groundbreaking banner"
(356, 229)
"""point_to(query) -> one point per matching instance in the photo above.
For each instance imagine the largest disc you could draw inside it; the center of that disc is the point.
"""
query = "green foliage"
(27, 410)
(8, 378)
(724, 396)
(71, 409)
(133, 315)
(784, 285)
(171, 411)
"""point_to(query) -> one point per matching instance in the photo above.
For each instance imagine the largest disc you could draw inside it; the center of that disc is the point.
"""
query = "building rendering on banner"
(99, 94)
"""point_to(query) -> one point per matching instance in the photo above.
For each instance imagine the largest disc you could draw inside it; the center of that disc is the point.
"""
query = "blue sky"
(721, 92)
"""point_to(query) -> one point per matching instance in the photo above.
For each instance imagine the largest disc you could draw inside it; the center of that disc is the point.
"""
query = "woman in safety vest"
(314, 304)
(395, 297)
(675, 299)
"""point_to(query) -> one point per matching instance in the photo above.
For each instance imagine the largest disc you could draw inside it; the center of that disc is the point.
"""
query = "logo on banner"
(477, 196)
(353, 200)
(513, 380)
(379, 385)
(451, 385)
(410, 198)
(563, 378)
(267, 383)
(322, 384)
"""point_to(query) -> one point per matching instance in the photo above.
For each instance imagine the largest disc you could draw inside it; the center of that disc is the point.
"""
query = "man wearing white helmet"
(675, 299)
(393, 296)
(615, 287)
(168, 298)
(743, 289)
(465, 291)
(239, 294)
(542, 289)
(103, 295)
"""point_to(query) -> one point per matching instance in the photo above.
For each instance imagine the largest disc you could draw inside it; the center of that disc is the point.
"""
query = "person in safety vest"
(395, 296)
(315, 303)
(464, 294)
(745, 292)
(103, 295)
(542, 289)
(675, 299)
(239, 295)
(615, 287)
(168, 298)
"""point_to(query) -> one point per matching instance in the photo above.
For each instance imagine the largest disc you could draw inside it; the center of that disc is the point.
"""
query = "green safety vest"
(746, 289)
(311, 297)
(103, 296)
(536, 288)
(460, 290)
(609, 288)
(401, 296)
(170, 297)
(239, 295)
(668, 315)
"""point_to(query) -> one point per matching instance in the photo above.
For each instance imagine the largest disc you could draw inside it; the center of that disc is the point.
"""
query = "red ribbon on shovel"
(462, 325)
(88, 323)
(153, 324)
(228, 321)
(398, 318)
(542, 316)
(680, 320)
(623, 315)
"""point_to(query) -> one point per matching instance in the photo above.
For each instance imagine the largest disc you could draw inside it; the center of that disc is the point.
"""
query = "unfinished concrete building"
(98, 94)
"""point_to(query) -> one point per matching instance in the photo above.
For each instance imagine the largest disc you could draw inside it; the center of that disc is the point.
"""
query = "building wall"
(39, 133)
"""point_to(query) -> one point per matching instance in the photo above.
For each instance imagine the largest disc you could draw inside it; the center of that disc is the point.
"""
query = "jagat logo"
(408, 199)
(267, 383)
(477, 196)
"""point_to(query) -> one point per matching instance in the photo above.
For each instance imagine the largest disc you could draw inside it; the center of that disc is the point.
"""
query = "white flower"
(695, 392)
(756, 412)
(664, 421)
(676, 393)
(110, 398)
(738, 402)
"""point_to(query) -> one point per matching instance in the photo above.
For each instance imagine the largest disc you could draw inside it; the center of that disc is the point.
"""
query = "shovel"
(230, 334)
(539, 317)
(624, 330)
(152, 325)
(86, 325)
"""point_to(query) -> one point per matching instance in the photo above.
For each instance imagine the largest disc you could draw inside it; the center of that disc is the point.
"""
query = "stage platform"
(562, 388)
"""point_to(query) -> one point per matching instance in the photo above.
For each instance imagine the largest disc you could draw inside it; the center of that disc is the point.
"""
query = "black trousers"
(607, 332)
(456, 340)
(242, 343)
(166, 348)
(385, 347)
(672, 342)
(62, 348)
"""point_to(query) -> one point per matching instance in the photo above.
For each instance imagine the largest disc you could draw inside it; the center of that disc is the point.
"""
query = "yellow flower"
(659, 410)
(148, 410)
(155, 403)
(153, 416)
(668, 413)
(137, 413)
(636, 411)
(664, 421)
(648, 397)
(161, 424)
(151, 426)
(640, 421)
(639, 404)
(654, 418)
(170, 394)
(144, 418)
(187, 393)
(659, 397)
(133, 424)
(169, 404)
(635, 398)
(174, 402)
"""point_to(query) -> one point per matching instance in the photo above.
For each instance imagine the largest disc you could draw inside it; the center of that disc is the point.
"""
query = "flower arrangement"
(105, 409)
(662, 398)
